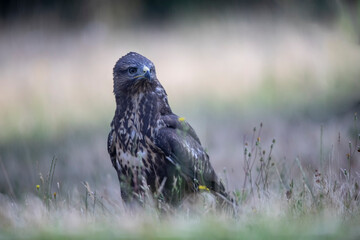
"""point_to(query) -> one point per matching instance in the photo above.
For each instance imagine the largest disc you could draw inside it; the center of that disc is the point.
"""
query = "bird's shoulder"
(181, 126)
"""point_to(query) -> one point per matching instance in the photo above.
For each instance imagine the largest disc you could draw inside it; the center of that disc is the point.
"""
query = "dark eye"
(132, 70)
(152, 70)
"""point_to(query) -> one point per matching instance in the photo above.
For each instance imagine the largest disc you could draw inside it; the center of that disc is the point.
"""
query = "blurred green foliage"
(128, 12)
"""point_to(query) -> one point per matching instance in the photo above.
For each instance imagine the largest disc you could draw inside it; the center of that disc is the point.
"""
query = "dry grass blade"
(305, 179)
(3, 169)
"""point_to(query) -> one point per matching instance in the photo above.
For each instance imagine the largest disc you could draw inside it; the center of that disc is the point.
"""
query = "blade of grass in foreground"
(256, 227)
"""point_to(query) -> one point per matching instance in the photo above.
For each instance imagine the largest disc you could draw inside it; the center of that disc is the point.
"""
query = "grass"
(273, 202)
(207, 228)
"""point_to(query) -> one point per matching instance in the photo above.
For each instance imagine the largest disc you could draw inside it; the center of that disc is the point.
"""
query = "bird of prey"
(149, 144)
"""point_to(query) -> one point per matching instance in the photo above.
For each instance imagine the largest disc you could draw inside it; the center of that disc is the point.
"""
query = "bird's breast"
(137, 123)
(140, 117)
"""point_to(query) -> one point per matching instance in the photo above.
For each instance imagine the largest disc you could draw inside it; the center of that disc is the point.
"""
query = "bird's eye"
(152, 69)
(132, 70)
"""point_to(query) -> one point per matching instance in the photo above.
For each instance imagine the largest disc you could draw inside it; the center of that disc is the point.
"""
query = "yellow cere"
(202, 187)
(181, 119)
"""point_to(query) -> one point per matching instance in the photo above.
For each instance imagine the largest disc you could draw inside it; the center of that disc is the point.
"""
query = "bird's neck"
(139, 105)
(129, 100)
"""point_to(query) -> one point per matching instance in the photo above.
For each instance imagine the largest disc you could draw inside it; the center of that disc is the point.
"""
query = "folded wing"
(183, 149)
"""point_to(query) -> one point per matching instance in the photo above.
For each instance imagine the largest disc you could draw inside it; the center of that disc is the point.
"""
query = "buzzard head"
(134, 73)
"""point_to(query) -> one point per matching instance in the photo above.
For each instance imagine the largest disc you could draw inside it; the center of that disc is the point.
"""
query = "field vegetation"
(274, 101)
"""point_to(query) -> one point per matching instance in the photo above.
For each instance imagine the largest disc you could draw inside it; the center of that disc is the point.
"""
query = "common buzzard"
(149, 144)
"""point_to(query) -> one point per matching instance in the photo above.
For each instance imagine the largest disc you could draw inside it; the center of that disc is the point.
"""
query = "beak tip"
(147, 75)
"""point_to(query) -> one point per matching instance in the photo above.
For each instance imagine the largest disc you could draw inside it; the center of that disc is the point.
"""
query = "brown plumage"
(149, 143)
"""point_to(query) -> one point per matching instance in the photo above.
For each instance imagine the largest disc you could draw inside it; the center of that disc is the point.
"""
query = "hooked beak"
(145, 74)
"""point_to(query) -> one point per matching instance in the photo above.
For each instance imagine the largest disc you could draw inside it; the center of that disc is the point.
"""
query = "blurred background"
(227, 66)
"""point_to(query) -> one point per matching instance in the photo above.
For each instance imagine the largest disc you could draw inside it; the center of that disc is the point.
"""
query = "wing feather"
(172, 121)
(111, 147)
(183, 149)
